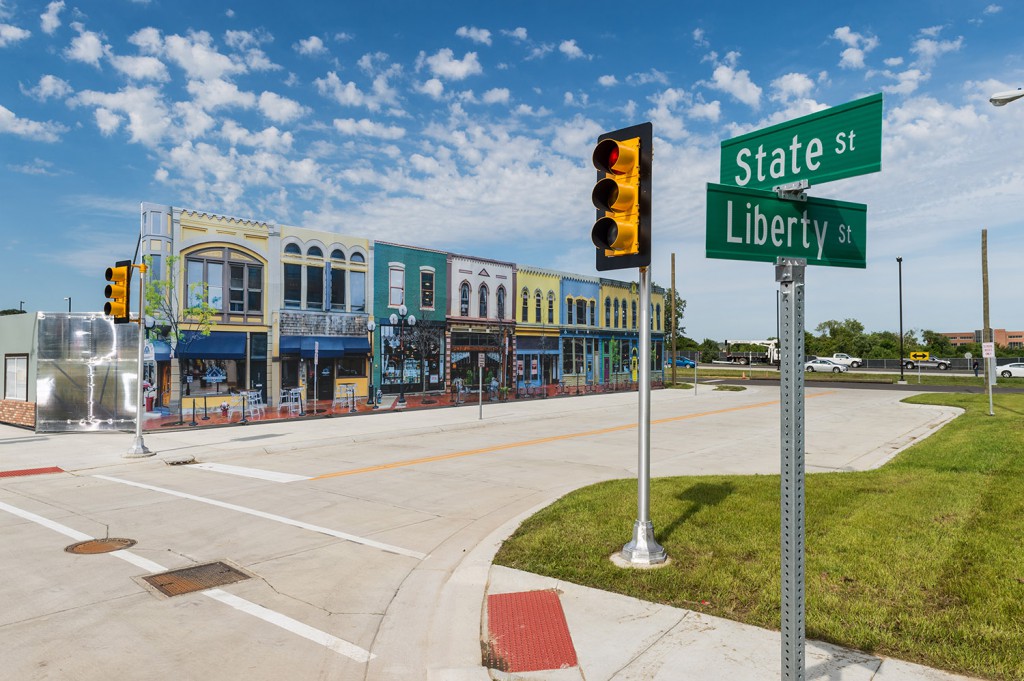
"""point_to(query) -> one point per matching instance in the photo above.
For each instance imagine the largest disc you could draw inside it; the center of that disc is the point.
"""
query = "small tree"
(186, 315)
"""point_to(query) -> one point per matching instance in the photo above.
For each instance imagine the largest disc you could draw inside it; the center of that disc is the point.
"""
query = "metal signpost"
(480, 366)
(784, 226)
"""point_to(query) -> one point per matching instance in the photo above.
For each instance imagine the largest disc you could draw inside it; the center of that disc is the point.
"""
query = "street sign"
(988, 350)
(919, 356)
(751, 224)
(843, 141)
(480, 358)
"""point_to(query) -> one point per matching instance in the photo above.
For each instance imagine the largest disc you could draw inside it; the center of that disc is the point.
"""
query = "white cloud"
(648, 77)
(736, 83)
(573, 51)
(141, 68)
(433, 87)
(50, 19)
(857, 46)
(516, 34)
(708, 111)
(36, 166)
(349, 94)
(280, 109)
(366, 127)
(699, 38)
(893, 61)
(498, 95)
(11, 34)
(197, 56)
(270, 139)
(443, 64)
(477, 35)
(343, 37)
(148, 119)
(248, 43)
(148, 40)
(48, 86)
(540, 51)
(107, 121)
(791, 86)
(665, 115)
(33, 130)
(218, 93)
(608, 81)
(993, 9)
(87, 47)
(906, 81)
(928, 50)
(310, 46)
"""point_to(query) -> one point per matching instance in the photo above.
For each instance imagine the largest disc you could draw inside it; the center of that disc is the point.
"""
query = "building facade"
(481, 329)
(537, 312)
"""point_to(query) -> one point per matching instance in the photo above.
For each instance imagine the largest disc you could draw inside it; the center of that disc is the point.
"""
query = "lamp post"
(68, 298)
(370, 326)
(400, 320)
(899, 263)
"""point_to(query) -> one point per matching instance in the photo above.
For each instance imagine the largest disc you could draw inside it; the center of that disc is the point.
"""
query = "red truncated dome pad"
(528, 632)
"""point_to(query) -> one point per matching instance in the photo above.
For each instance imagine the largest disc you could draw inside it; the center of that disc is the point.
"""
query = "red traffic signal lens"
(606, 155)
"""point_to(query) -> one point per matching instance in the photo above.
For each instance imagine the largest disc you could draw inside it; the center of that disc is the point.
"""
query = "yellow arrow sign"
(919, 356)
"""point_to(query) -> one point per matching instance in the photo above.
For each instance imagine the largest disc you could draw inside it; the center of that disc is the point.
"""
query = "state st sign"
(843, 141)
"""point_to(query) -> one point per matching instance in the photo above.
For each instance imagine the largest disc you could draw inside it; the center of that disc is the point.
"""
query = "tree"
(674, 327)
(184, 315)
(937, 344)
(709, 350)
(9, 311)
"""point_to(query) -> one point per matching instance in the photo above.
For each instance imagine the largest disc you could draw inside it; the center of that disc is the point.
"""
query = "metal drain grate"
(99, 546)
(195, 578)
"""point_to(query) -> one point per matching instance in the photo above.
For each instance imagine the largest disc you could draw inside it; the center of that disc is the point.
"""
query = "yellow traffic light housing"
(118, 291)
(622, 197)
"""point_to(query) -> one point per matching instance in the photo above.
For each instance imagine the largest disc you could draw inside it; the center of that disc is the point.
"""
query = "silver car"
(824, 365)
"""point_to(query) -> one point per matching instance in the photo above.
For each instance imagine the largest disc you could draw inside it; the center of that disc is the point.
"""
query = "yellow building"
(538, 315)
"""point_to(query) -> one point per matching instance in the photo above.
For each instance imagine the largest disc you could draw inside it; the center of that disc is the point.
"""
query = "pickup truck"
(931, 363)
(846, 360)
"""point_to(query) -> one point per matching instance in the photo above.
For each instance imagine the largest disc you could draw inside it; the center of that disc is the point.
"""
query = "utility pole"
(672, 316)
(986, 332)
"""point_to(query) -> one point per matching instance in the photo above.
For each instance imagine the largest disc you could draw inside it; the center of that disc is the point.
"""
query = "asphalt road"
(366, 540)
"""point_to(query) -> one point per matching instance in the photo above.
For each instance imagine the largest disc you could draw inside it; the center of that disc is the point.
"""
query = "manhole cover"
(195, 578)
(100, 546)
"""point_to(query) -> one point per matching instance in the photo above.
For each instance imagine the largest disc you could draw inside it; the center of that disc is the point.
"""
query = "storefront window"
(207, 377)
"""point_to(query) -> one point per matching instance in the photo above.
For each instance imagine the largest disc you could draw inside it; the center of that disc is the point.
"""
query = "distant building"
(1008, 339)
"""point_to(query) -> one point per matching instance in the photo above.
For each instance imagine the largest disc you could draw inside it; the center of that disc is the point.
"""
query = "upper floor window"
(608, 312)
(293, 249)
(581, 311)
(657, 317)
(525, 312)
(593, 313)
(484, 294)
(634, 314)
(314, 287)
(209, 272)
(314, 252)
(536, 306)
(427, 289)
(336, 254)
(357, 257)
(551, 307)
(624, 313)
(396, 285)
(500, 302)
(616, 317)
(464, 299)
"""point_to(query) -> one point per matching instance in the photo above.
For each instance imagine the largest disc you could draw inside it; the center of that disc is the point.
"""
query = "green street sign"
(753, 224)
(843, 141)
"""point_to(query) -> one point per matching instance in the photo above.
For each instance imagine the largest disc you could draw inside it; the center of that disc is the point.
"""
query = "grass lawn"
(921, 560)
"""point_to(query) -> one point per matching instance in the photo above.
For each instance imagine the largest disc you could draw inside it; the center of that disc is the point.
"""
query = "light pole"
(68, 298)
(370, 326)
(899, 263)
(400, 320)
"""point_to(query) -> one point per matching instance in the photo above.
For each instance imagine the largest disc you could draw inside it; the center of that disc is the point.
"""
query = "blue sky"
(468, 126)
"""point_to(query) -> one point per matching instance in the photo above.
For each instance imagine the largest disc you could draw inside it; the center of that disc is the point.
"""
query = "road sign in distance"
(751, 224)
(843, 141)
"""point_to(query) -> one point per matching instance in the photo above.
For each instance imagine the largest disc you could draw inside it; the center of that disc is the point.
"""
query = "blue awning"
(331, 347)
(218, 345)
(157, 351)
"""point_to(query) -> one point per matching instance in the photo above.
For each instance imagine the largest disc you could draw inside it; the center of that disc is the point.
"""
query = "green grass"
(911, 377)
(921, 560)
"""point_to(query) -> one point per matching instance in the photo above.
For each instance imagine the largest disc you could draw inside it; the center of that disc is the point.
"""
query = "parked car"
(824, 365)
(1015, 370)
(932, 363)
(685, 362)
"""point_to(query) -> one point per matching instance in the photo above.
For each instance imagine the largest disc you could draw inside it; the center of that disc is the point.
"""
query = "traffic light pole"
(643, 549)
(138, 448)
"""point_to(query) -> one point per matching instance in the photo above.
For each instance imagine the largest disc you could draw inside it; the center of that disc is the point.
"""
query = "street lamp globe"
(393, 319)
(411, 320)
(1004, 98)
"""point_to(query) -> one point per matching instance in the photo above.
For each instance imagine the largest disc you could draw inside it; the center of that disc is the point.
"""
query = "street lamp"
(370, 326)
(400, 320)
(899, 263)
(68, 298)
(1004, 98)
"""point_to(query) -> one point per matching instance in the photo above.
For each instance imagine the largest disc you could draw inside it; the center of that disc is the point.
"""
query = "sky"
(469, 127)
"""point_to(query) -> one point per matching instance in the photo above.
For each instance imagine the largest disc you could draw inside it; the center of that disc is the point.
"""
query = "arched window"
(581, 312)
(464, 299)
(568, 311)
(624, 313)
(593, 313)
(314, 252)
(551, 307)
(336, 254)
(536, 311)
(501, 302)
(357, 257)
(525, 314)
(657, 317)
(225, 270)
(293, 249)
(608, 312)
(616, 317)
(484, 294)
(634, 314)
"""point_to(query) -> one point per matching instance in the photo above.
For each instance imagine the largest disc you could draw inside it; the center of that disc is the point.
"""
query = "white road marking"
(340, 646)
(270, 516)
(272, 476)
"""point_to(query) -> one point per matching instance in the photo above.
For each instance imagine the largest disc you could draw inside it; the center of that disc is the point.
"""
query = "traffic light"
(622, 196)
(119, 291)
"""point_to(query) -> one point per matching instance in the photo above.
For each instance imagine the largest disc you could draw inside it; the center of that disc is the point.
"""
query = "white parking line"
(272, 476)
(340, 646)
(270, 516)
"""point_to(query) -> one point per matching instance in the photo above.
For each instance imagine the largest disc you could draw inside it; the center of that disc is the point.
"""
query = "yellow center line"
(545, 440)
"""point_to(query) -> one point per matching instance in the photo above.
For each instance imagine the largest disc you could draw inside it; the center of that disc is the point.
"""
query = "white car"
(1015, 370)
(824, 365)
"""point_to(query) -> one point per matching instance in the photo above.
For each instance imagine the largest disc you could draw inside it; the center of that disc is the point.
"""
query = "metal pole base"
(643, 549)
(138, 449)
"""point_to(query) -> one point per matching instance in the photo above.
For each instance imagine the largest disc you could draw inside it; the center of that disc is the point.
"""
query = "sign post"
(480, 366)
(784, 226)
